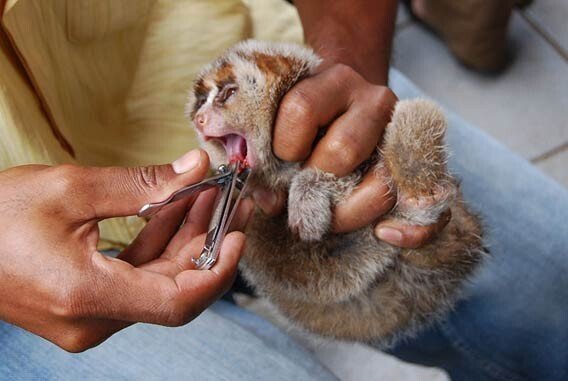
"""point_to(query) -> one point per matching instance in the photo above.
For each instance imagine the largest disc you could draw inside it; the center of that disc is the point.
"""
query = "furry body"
(349, 286)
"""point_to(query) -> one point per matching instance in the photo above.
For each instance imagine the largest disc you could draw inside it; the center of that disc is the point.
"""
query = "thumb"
(118, 191)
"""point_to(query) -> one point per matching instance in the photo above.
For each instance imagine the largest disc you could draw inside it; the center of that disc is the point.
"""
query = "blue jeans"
(514, 323)
(512, 326)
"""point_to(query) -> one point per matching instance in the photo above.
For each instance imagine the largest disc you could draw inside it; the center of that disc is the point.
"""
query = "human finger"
(370, 200)
(410, 236)
(156, 235)
(123, 292)
(311, 104)
(118, 191)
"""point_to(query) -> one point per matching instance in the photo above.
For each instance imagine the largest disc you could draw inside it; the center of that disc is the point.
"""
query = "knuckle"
(289, 150)
(298, 106)
(67, 187)
(345, 150)
(76, 340)
(382, 98)
(68, 304)
(379, 100)
(146, 178)
(66, 170)
(66, 178)
(342, 71)
(389, 97)
(295, 122)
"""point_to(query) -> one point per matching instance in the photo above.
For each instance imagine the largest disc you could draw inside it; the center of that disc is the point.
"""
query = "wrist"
(344, 47)
(357, 34)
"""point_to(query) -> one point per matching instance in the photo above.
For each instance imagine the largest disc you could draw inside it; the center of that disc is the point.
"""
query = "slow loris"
(350, 286)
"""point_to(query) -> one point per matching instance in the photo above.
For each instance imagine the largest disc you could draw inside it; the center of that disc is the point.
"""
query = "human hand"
(54, 282)
(349, 96)
(355, 115)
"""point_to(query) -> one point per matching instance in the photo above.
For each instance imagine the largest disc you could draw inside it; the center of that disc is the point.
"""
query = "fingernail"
(187, 162)
(389, 234)
(265, 199)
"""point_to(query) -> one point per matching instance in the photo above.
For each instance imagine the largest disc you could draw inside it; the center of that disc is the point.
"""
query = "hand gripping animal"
(350, 286)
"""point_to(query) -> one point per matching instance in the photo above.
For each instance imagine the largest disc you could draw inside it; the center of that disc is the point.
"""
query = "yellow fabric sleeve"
(104, 82)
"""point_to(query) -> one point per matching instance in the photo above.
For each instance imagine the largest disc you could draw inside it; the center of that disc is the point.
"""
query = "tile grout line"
(548, 154)
(547, 36)
(526, 15)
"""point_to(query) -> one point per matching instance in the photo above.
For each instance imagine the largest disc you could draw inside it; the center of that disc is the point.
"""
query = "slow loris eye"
(199, 102)
(226, 93)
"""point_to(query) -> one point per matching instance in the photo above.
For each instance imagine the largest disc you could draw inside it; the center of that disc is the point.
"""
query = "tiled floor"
(550, 18)
(526, 108)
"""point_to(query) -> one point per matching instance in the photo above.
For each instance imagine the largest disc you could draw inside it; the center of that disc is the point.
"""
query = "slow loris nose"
(201, 120)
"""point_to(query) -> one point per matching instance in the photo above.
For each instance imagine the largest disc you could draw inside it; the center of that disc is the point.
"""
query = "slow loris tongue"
(236, 148)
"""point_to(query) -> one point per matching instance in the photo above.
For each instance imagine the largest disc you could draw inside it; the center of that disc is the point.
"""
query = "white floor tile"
(525, 107)
(552, 16)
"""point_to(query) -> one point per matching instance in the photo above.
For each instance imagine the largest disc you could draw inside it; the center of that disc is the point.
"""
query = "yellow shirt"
(104, 82)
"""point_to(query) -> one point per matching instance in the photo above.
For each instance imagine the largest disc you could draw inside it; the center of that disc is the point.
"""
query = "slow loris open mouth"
(235, 146)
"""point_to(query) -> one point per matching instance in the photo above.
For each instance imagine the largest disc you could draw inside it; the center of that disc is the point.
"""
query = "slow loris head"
(234, 101)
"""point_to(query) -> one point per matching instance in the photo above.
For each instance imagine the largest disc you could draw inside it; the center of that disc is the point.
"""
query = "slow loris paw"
(415, 155)
(309, 204)
(425, 209)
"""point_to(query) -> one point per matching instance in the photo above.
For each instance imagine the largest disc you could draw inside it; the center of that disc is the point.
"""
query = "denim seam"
(493, 369)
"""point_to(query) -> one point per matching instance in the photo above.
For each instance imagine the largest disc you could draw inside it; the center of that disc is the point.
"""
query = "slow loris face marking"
(234, 102)
(349, 286)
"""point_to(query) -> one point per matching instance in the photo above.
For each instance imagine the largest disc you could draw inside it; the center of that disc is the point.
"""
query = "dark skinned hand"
(348, 95)
(54, 282)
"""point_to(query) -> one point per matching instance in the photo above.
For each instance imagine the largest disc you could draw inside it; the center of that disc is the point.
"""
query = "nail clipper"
(230, 178)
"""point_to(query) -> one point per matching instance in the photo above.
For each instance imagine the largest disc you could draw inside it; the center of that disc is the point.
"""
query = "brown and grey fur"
(350, 286)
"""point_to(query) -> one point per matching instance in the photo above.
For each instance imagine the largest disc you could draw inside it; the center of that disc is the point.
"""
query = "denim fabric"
(514, 323)
(224, 343)
(512, 326)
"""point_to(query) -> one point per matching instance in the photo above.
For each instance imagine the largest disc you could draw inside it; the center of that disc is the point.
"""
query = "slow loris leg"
(351, 292)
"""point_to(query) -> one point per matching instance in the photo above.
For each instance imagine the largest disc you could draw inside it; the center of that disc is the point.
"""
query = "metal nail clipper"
(232, 180)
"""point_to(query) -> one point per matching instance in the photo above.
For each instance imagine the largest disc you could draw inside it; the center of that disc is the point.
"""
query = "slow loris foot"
(415, 155)
(350, 286)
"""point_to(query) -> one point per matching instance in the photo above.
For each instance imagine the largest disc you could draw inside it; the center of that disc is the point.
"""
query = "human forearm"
(355, 33)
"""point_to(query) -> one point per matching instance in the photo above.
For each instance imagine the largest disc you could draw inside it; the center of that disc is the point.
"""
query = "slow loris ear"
(273, 64)
(281, 72)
